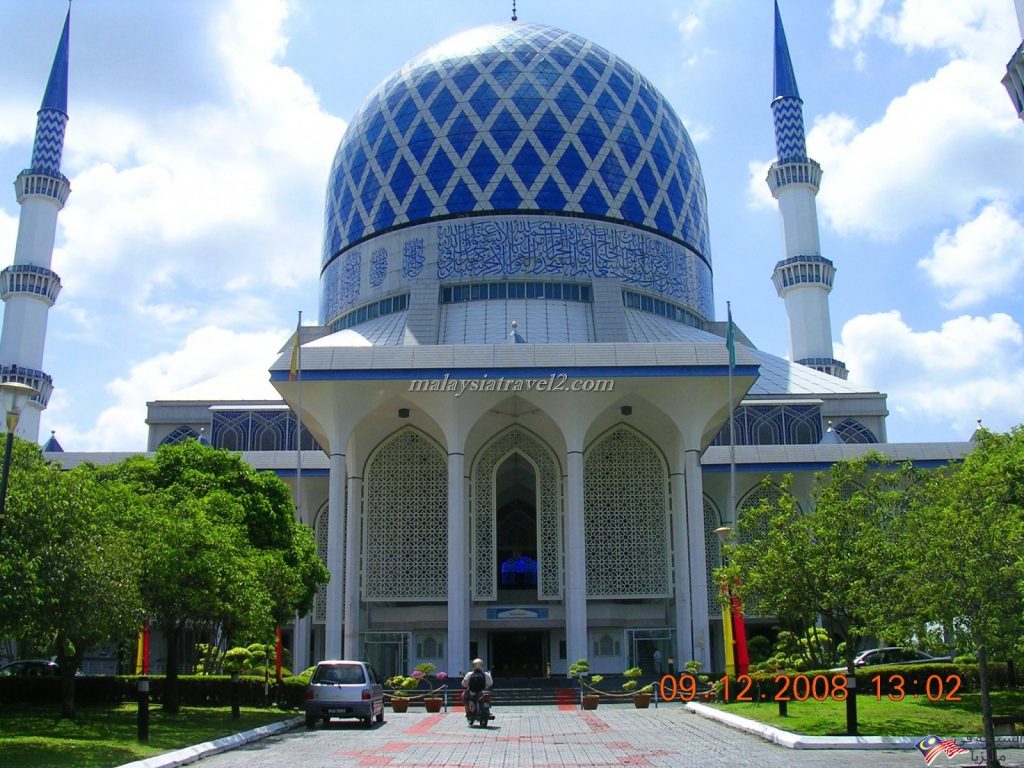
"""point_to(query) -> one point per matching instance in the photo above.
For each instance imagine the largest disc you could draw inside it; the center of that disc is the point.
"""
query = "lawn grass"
(103, 736)
(909, 717)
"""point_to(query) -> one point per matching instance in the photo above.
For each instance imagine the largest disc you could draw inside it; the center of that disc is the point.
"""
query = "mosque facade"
(515, 434)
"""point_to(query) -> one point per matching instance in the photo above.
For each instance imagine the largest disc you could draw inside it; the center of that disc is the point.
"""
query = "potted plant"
(705, 692)
(641, 696)
(399, 685)
(424, 672)
(581, 669)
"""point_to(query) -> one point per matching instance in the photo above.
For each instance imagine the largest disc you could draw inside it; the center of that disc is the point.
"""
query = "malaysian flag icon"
(932, 746)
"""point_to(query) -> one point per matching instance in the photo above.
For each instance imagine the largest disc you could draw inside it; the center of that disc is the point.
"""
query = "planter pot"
(433, 704)
(641, 700)
(590, 700)
(399, 704)
(706, 696)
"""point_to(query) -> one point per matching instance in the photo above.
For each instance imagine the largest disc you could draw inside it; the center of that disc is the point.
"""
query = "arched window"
(851, 431)
(180, 435)
(625, 503)
(405, 524)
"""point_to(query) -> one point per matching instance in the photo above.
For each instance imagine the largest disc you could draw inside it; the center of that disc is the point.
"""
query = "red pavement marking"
(634, 760)
(395, 746)
(375, 760)
(426, 724)
(566, 699)
(595, 723)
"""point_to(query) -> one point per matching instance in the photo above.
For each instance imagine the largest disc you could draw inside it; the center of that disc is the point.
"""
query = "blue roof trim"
(785, 80)
(305, 472)
(814, 466)
(586, 372)
(56, 96)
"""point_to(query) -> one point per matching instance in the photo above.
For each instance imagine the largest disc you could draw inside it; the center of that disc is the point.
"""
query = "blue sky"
(202, 132)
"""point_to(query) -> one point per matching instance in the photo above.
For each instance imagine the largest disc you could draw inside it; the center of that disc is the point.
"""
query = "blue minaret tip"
(56, 96)
(785, 80)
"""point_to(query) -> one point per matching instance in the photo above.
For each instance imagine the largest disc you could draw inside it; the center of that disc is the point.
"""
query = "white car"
(344, 689)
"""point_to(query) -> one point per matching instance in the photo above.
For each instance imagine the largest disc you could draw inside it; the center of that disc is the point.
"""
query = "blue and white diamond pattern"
(515, 118)
(49, 143)
(789, 130)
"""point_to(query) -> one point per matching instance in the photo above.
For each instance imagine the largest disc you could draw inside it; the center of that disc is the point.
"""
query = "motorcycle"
(478, 708)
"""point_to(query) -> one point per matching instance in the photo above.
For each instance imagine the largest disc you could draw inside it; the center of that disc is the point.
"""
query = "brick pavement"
(540, 737)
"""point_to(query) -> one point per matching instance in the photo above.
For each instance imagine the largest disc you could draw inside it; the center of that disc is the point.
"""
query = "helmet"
(478, 664)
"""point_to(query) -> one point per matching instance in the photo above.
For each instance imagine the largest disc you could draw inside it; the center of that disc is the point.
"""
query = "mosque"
(516, 403)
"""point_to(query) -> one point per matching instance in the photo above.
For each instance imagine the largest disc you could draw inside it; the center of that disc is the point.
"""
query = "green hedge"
(194, 690)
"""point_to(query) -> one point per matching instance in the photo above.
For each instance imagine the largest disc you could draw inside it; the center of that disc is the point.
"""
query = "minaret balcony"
(1013, 80)
(41, 382)
(34, 183)
(29, 279)
(827, 365)
(806, 172)
(803, 270)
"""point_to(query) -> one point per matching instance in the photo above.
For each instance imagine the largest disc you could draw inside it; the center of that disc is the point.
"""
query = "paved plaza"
(540, 737)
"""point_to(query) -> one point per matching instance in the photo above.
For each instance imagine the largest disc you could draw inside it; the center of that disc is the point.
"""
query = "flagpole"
(298, 419)
(732, 423)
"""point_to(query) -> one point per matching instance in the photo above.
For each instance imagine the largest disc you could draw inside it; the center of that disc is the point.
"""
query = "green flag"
(730, 339)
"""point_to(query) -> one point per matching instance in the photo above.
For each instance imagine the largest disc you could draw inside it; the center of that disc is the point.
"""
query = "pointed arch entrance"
(516, 517)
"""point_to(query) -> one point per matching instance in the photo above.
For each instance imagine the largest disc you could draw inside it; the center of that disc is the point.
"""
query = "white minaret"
(29, 287)
(804, 277)
(1014, 77)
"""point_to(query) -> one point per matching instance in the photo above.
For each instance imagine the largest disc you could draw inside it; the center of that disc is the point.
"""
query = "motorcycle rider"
(476, 681)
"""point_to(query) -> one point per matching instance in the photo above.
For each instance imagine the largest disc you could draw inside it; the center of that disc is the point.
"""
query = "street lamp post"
(15, 397)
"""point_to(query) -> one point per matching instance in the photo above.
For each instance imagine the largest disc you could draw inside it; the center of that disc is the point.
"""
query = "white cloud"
(984, 257)
(226, 192)
(851, 20)
(212, 363)
(939, 150)
(759, 196)
(971, 367)
(978, 29)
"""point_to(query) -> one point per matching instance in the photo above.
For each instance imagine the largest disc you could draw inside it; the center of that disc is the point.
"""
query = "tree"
(70, 580)
(221, 545)
(837, 561)
(967, 570)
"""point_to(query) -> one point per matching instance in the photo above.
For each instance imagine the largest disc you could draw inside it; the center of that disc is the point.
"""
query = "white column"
(575, 561)
(681, 569)
(698, 566)
(458, 565)
(353, 539)
(335, 545)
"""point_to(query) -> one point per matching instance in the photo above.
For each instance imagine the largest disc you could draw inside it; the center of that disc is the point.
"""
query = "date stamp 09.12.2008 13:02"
(744, 688)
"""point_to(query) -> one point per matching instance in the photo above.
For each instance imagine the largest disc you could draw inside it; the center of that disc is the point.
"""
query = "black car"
(875, 657)
(30, 668)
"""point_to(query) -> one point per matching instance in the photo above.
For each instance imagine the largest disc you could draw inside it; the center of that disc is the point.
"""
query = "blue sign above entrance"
(517, 613)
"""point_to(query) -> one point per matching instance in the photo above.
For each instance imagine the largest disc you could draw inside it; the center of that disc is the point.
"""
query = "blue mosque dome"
(513, 120)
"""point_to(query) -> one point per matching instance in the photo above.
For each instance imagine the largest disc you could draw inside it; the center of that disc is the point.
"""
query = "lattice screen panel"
(549, 519)
(405, 540)
(626, 518)
(321, 532)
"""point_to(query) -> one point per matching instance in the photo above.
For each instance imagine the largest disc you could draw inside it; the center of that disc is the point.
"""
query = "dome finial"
(514, 17)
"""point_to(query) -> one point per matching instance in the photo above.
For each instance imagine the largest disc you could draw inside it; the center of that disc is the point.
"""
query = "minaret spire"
(29, 287)
(1013, 80)
(804, 278)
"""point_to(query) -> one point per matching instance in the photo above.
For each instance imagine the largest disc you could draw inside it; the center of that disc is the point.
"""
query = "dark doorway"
(518, 654)
(516, 505)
